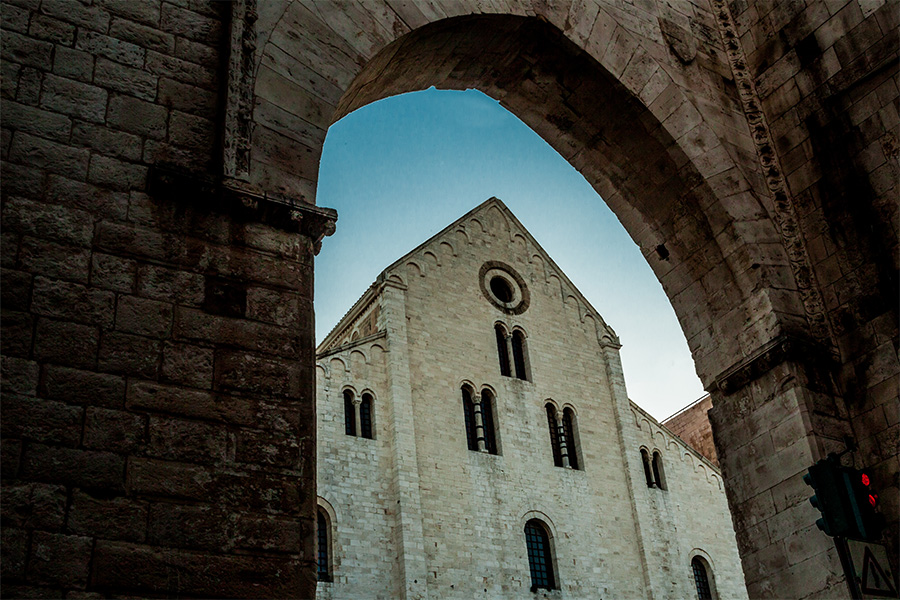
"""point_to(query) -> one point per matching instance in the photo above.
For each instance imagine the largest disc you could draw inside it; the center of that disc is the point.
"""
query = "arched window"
(518, 348)
(502, 349)
(645, 458)
(469, 412)
(540, 559)
(659, 475)
(365, 416)
(569, 432)
(487, 417)
(554, 435)
(349, 413)
(323, 535)
(702, 579)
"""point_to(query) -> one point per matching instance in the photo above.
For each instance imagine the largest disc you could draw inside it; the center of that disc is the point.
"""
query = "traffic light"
(845, 498)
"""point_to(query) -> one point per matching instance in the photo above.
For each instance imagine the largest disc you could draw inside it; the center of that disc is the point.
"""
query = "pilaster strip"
(238, 123)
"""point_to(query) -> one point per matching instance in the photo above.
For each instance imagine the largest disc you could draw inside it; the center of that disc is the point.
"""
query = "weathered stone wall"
(612, 534)
(692, 425)
(153, 406)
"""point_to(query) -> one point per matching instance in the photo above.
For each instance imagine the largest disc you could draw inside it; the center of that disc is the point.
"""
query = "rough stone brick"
(272, 306)
(54, 260)
(187, 440)
(107, 141)
(113, 430)
(191, 131)
(24, 50)
(136, 116)
(82, 468)
(191, 324)
(9, 79)
(54, 157)
(185, 97)
(10, 453)
(144, 317)
(145, 12)
(265, 448)
(29, 89)
(201, 527)
(117, 174)
(60, 559)
(36, 121)
(73, 11)
(15, 289)
(171, 399)
(200, 53)
(73, 301)
(271, 533)
(185, 159)
(190, 24)
(13, 553)
(113, 273)
(83, 387)
(74, 98)
(129, 354)
(16, 336)
(167, 284)
(18, 375)
(48, 221)
(146, 37)
(34, 506)
(188, 365)
(120, 51)
(73, 64)
(126, 80)
(84, 196)
(66, 343)
(40, 420)
(14, 18)
(181, 70)
(112, 519)
(172, 479)
(52, 30)
(257, 374)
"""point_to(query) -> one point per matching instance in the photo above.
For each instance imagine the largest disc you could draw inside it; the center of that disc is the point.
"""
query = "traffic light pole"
(843, 551)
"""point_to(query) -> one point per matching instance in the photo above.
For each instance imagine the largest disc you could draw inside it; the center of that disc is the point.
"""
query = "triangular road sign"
(874, 580)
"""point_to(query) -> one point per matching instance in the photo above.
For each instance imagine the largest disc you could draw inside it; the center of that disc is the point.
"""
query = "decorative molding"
(785, 212)
(244, 204)
(237, 128)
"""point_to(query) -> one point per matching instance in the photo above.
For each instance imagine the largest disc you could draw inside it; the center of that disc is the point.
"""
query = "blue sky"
(401, 169)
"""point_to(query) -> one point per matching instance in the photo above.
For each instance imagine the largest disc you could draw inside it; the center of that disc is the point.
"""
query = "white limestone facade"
(414, 513)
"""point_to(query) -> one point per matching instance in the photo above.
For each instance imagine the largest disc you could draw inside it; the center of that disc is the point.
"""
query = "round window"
(504, 287)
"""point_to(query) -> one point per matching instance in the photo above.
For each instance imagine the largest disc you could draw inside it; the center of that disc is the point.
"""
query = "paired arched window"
(540, 557)
(323, 554)
(563, 437)
(479, 413)
(653, 469)
(511, 346)
(703, 579)
(358, 415)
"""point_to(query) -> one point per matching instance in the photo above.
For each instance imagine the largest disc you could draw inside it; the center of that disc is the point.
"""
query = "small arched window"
(469, 413)
(487, 417)
(349, 413)
(365, 416)
(648, 474)
(570, 431)
(518, 348)
(659, 475)
(502, 349)
(540, 559)
(554, 435)
(323, 536)
(702, 579)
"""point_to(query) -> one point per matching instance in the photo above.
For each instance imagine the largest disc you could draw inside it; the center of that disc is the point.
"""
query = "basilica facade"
(476, 440)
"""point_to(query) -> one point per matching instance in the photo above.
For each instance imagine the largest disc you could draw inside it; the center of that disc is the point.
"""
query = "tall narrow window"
(659, 475)
(365, 416)
(518, 346)
(323, 533)
(502, 350)
(645, 458)
(540, 561)
(554, 435)
(469, 412)
(349, 414)
(701, 579)
(569, 429)
(487, 418)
